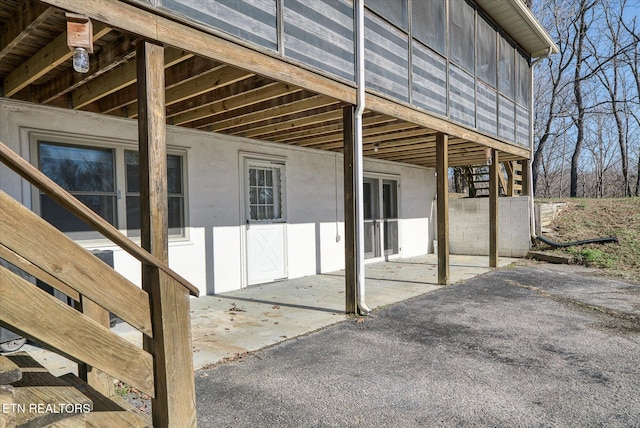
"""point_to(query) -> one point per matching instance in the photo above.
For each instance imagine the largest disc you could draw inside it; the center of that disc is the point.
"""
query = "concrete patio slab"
(229, 324)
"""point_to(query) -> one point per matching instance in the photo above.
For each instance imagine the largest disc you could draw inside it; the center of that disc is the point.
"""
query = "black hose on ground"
(571, 244)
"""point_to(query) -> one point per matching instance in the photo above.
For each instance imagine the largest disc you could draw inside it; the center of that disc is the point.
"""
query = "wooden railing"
(164, 369)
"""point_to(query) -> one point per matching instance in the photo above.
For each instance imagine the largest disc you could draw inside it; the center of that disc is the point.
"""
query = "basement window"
(96, 173)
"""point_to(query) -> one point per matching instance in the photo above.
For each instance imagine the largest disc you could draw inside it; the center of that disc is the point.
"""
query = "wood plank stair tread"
(44, 405)
(39, 399)
(9, 371)
(108, 412)
(7, 419)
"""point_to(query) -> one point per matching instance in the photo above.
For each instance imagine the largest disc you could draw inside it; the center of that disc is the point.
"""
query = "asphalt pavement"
(530, 346)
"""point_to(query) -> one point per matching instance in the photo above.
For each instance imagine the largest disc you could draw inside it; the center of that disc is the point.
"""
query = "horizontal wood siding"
(462, 96)
(429, 80)
(506, 119)
(522, 126)
(252, 20)
(487, 109)
(386, 58)
(321, 34)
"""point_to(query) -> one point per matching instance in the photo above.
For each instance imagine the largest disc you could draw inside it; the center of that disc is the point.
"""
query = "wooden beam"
(297, 121)
(49, 57)
(494, 171)
(442, 189)
(117, 79)
(282, 110)
(233, 101)
(24, 21)
(350, 276)
(371, 134)
(110, 56)
(334, 128)
(206, 82)
(174, 402)
(212, 100)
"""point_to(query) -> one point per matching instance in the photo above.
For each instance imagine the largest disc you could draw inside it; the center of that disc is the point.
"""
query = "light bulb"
(376, 147)
(80, 60)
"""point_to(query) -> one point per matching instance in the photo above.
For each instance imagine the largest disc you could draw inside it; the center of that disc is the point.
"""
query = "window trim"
(119, 146)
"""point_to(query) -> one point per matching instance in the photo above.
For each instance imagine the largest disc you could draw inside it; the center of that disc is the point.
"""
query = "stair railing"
(163, 370)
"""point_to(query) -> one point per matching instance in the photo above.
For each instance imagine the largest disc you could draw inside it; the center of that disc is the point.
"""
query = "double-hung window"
(99, 175)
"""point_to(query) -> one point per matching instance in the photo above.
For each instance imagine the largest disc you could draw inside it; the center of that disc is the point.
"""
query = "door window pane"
(389, 199)
(265, 193)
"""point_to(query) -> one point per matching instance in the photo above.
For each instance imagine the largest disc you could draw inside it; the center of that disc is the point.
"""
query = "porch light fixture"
(376, 147)
(488, 155)
(80, 40)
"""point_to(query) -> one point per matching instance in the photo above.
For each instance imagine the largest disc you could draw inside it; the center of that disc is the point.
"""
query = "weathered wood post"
(494, 170)
(174, 403)
(349, 210)
(442, 189)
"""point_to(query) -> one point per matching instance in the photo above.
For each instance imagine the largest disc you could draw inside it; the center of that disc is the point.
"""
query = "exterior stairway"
(510, 184)
(30, 396)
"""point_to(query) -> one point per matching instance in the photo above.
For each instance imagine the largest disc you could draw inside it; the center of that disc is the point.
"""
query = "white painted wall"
(469, 226)
(211, 255)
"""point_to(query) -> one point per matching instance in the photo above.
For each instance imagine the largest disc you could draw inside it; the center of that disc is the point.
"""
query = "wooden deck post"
(174, 402)
(442, 170)
(350, 281)
(526, 176)
(494, 170)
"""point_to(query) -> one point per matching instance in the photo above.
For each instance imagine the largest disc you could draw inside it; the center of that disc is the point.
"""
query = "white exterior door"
(265, 221)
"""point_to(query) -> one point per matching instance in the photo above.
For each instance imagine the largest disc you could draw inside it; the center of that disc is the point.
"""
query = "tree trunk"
(577, 91)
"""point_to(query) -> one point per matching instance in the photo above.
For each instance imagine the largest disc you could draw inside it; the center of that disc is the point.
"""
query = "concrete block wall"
(469, 226)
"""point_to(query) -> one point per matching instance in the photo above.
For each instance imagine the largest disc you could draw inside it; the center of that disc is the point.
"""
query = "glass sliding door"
(380, 197)
(390, 216)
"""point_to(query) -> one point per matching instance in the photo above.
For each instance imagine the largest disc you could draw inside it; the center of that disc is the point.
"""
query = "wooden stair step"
(7, 419)
(40, 398)
(9, 371)
(108, 411)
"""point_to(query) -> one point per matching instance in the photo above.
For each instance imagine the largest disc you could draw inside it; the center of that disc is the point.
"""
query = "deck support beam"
(174, 401)
(442, 178)
(350, 217)
(494, 171)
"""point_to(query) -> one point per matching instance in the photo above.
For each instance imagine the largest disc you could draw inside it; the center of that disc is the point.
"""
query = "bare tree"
(550, 98)
(581, 25)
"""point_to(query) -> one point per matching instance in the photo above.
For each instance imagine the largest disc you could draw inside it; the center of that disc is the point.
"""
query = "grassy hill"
(594, 218)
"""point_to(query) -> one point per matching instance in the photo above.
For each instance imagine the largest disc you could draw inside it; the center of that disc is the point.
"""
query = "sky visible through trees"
(587, 107)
